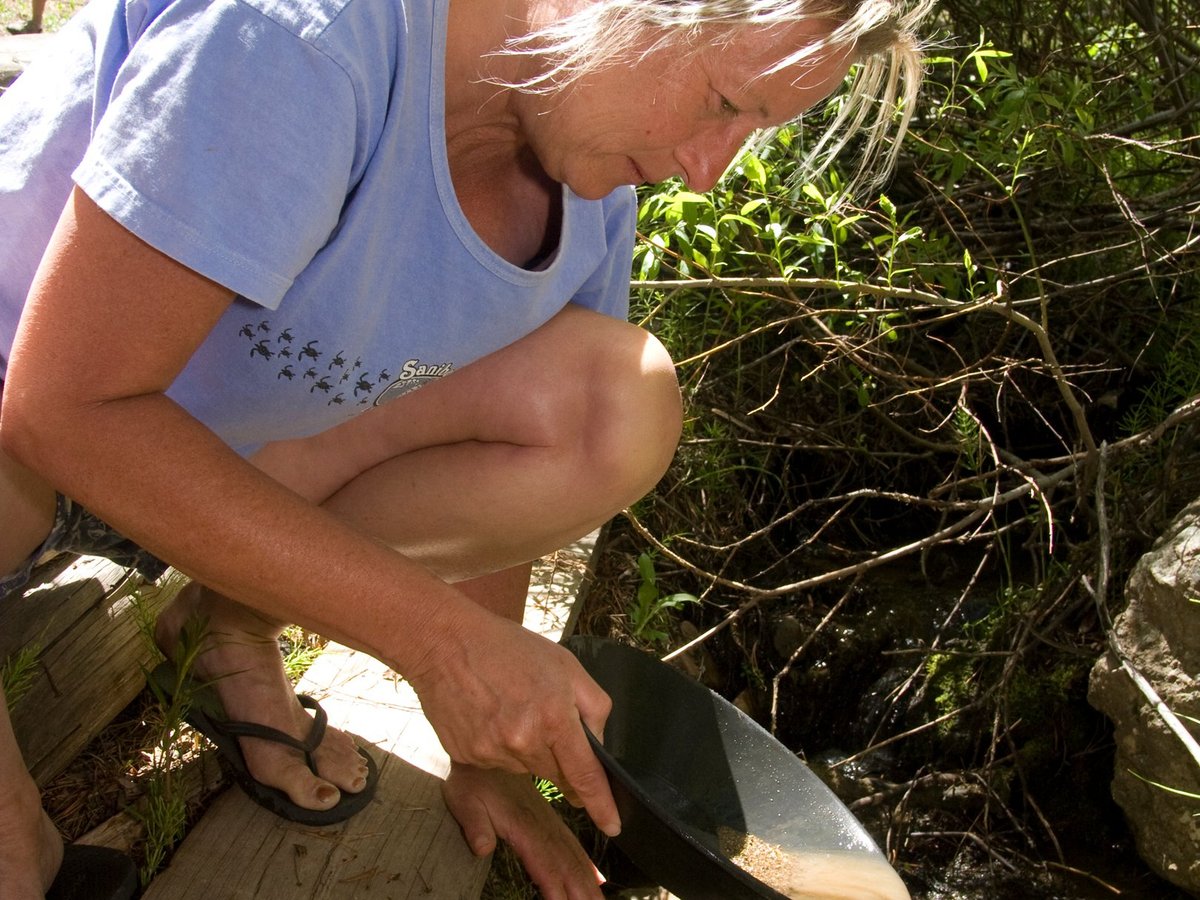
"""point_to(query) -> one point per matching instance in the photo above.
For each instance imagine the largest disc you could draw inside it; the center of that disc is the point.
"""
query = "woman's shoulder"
(321, 20)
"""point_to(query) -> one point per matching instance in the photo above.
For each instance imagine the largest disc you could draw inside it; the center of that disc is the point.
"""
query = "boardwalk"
(17, 51)
(405, 844)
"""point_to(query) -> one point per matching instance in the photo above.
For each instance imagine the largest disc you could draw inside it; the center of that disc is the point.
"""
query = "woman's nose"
(705, 157)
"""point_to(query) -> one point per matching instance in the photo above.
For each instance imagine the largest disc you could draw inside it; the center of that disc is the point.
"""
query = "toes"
(311, 792)
(324, 794)
(339, 760)
(287, 772)
(340, 766)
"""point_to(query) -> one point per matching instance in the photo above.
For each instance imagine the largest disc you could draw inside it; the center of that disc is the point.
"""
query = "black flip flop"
(94, 873)
(205, 713)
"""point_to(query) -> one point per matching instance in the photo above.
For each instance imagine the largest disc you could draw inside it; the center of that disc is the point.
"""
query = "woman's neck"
(500, 185)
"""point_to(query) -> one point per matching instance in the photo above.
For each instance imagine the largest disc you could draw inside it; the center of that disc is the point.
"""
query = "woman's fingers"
(585, 782)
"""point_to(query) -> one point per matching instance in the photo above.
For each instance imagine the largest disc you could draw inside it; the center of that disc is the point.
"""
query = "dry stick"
(1028, 795)
(1006, 308)
(1100, 595)
(1082, 874)
(1187, 410)
(973, 838)
(811, 284)
(924, 726)
(1004, 725)
(921, 782)
(1036, 483)
(1060, 379)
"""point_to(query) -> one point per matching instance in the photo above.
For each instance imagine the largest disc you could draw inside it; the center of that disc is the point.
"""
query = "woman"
(247, 232)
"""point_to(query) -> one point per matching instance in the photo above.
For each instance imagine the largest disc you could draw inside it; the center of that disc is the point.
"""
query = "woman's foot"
(27, 28)
(491, 805)
(241, 658)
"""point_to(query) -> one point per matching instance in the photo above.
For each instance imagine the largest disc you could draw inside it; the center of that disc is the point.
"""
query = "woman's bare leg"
(27, 504)
(30, 847)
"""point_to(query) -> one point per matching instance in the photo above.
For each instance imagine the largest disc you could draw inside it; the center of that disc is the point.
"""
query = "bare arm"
(109, 324)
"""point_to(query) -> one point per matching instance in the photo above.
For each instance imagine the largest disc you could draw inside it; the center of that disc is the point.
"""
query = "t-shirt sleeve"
(607, 289)
(230, 143)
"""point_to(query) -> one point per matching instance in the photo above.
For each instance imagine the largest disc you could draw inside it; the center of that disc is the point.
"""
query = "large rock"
(1159, 633)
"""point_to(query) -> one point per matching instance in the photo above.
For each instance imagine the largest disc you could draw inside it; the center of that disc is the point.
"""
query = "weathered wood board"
(405, 844)
(83, 614)
(17, 51)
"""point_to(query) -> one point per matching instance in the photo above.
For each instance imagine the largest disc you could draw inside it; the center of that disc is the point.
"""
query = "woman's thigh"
(582, 376)
(505, 457)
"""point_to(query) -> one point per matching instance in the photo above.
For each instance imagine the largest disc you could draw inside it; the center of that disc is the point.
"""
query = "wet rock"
(1159, 633)
(789, 633)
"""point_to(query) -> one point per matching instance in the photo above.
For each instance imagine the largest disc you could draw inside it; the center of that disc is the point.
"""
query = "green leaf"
(735, 219)
(646, 568)
(753, 205)
(754, 170)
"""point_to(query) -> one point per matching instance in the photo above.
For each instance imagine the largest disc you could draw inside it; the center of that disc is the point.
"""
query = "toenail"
(327, 793)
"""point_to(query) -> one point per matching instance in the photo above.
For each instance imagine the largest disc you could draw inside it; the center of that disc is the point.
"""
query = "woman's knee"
(633, 412)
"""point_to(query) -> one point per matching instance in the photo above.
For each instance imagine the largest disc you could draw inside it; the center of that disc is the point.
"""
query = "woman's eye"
(723, 104)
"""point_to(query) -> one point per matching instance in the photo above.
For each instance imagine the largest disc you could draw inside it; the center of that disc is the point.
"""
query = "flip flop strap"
(315, 734)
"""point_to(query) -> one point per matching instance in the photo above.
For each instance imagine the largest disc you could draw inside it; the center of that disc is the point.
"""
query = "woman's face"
(676, 112)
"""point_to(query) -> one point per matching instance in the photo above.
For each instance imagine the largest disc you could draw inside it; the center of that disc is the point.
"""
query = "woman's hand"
(502, 697)
(491, 805)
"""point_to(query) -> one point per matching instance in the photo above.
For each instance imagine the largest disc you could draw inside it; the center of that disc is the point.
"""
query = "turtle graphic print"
(331, 376)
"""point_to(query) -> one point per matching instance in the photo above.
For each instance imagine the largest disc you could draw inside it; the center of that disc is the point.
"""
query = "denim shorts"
(77, 531)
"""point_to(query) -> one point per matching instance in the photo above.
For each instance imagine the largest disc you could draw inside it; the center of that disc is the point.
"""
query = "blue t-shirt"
(293, 151)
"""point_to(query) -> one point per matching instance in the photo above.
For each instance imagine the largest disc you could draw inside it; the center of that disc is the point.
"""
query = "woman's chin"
(592, 191)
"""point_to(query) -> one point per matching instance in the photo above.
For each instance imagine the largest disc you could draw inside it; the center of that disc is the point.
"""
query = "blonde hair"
(881, 36)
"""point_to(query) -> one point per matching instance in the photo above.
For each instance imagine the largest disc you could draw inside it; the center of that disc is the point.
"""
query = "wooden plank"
(405, 844)
(17, 51)
(399, 846)
(83, 614)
